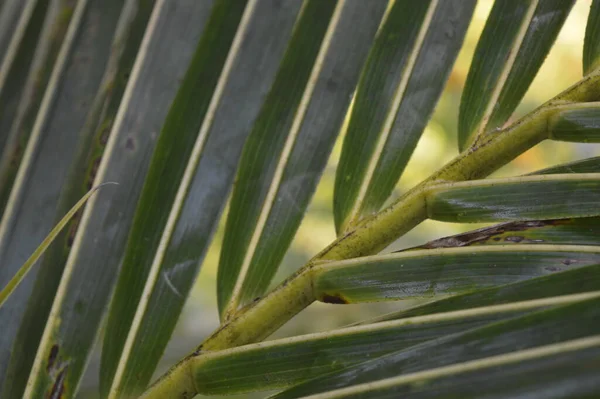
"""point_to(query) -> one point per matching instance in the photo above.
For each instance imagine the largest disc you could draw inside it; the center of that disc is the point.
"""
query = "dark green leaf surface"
(580, 231)
(10, 11)
(588, 165)
(555, 371)
(584, 279)
(17, 129)
(546, 327)
(32, 208)
(520, 198)
(274, 187)
(579, 124)
(93, 261)
(591, 44)
(515, 41)
(173, 268)
(167, 166)
(443, 271)
(15, 67)
(281, 363)
(405, 73)
(92, 141)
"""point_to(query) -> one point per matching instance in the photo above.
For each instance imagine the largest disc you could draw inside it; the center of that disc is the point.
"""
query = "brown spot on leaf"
(59, 385)
(494, 233)
(334, 298)
(130, 144)
(93, 171)
(52, 357)
(74, 225)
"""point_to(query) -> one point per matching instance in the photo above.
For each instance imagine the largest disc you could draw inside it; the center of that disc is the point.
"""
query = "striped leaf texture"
(93, 138)
(31, 208)
(297, 127)
(399, 87)
(141, 325)
(98, 246)
(515, 41)
(127, 127)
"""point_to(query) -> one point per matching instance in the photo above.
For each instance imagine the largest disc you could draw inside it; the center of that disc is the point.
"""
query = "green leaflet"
(92, 264)
(569, 282)
(442, 271)
(568, 369)
(10, 11)
(579, 231)
(519, 198)
(167, 166)
(32, 207)
(576, 124)
(39, 251)
(247, 74)
(534, 330)
(92, 140)
(404, 75)
(591, 44)
(280, 363)
(14, 67)
(290, 143)
(588, 165)
(515, 41)
(17, 126)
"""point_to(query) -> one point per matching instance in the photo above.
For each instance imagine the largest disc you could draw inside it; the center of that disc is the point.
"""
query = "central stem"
(488, 153)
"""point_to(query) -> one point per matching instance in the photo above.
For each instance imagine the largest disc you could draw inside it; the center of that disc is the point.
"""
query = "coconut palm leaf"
(183, 103)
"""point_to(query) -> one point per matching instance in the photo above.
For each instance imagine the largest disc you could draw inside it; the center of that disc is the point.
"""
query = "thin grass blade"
(31, 209)
(88, 154)
(515, 41)
(291, 141)
(399, 87)
(39, 251)
(98, 247)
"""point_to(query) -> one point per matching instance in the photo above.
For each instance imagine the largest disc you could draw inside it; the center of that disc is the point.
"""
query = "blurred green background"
(437, 146)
